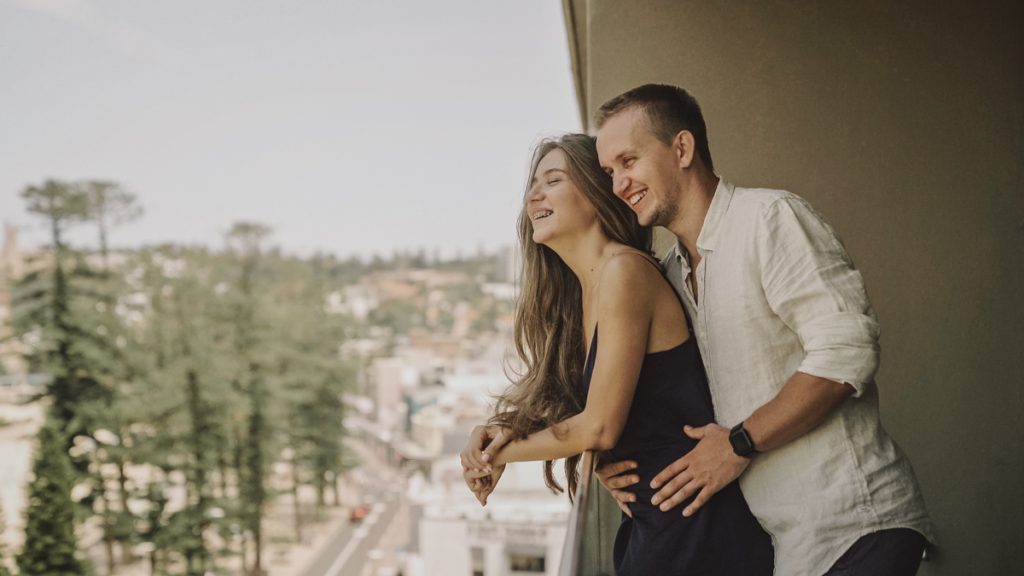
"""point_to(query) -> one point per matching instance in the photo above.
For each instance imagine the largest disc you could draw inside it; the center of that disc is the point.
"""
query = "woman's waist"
(651, 458)
(657, 447)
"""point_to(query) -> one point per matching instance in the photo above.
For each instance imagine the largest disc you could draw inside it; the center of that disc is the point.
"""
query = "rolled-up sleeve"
(811, 284)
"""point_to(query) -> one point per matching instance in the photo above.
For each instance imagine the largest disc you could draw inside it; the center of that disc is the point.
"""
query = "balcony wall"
(903, 123)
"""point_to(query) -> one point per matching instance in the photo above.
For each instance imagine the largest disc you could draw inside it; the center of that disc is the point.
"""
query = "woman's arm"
(625, 308)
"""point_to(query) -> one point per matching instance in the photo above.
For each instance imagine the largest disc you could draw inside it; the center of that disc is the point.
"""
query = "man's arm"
(811, 285)
(801, 405)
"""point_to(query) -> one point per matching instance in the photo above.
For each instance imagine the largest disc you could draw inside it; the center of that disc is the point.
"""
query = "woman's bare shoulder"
(629, 274)
(634, 281)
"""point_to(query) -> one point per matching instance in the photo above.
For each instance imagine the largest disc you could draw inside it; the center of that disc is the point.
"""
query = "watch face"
(741, 442)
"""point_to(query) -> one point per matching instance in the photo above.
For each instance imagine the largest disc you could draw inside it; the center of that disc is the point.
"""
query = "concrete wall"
(904, 125)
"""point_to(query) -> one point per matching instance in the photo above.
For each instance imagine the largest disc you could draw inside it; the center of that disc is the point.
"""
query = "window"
(476, 561)
(526, 561)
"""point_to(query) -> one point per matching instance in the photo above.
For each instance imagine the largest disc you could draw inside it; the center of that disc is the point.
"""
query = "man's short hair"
(669, 110)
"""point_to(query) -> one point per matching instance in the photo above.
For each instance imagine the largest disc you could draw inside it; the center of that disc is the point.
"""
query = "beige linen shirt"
(777, 293)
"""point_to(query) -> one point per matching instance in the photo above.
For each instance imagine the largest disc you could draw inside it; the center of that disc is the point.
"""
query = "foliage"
(50, 545)
(186, 370)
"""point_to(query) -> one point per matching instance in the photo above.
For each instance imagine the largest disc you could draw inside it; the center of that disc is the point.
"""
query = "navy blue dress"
(723, 538)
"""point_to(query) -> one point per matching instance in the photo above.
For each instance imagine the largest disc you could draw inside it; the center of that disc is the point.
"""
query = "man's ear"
(685, 147)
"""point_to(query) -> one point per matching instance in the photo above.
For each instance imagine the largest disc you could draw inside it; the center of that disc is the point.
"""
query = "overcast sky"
(348, 126)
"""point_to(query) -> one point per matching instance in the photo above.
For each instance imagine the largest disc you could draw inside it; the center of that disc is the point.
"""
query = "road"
(348, 550)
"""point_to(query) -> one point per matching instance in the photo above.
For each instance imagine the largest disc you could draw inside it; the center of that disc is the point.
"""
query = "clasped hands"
(478, 470)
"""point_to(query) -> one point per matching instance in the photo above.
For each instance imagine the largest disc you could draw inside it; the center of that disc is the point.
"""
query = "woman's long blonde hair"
(548, 331)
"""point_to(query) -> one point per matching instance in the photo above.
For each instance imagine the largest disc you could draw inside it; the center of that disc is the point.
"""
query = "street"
(359, 548)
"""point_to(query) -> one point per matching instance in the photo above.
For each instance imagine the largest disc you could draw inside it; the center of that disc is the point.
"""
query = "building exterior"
(519, 533)
(418, 407)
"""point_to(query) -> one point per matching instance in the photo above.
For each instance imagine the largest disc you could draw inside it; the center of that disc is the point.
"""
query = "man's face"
(645, 171)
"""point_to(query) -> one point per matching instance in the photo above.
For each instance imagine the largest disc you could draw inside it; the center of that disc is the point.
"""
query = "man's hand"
(614, 478)
(705, 470)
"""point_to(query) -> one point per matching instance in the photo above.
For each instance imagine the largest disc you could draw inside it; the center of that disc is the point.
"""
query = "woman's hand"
(482, 486)
(477, 456)
(489, 438)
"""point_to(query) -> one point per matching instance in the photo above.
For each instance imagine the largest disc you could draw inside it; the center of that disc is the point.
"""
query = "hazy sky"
(348, 126)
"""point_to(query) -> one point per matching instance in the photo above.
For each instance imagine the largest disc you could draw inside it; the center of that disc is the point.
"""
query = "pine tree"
(183, 394)
(109, 205)
(67, 312)
(246, 239)
(44, 303)
(50, 545)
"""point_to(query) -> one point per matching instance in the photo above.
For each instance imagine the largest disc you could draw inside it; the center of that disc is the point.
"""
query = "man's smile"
(636, 197)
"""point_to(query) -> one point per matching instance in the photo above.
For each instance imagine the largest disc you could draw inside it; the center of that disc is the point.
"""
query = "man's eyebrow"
(617, 159)
(626, 152)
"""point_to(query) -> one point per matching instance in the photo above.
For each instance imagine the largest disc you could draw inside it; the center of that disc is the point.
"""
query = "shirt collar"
(716, 213)
(712, 223)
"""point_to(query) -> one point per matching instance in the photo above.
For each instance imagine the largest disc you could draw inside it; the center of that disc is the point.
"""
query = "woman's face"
(556, 207)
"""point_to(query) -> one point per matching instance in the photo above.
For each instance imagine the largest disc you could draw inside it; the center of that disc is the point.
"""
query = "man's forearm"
(802, 403)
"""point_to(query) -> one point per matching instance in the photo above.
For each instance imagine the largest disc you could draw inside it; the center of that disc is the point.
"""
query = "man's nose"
(620, 184)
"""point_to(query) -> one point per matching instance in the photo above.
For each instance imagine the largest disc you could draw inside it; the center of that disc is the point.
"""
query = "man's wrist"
(742, 443)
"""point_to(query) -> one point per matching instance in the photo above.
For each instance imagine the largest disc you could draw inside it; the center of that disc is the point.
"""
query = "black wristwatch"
(742, 443)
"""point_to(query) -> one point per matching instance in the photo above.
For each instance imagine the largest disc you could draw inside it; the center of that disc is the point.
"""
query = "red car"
(358, 513)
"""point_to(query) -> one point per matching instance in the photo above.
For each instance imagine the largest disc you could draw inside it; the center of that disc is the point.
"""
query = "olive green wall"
(904, 126)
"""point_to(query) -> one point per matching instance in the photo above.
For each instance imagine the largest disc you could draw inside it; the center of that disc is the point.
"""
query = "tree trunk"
(122, 478)
(108, 544)
(321, 496)
(295, 497)
(222, 469)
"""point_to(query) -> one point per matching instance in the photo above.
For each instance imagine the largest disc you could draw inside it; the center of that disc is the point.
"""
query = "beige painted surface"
(904, 126)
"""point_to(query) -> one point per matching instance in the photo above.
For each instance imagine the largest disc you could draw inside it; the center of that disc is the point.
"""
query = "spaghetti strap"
(650, 259)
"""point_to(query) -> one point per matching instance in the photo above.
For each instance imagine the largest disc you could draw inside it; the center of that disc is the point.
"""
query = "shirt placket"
(701, 321)
(684, 273)
(695, 306)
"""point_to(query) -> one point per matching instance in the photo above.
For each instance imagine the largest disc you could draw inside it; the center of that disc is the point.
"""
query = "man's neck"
(692, 211)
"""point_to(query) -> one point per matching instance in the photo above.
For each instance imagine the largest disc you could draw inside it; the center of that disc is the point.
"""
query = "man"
(790, 346)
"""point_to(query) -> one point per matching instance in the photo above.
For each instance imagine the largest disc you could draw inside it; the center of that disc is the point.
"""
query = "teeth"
(543, 214)
(636, 198)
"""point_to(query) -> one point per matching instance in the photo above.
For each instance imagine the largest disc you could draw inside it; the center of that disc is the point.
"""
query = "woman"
(587, 270)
